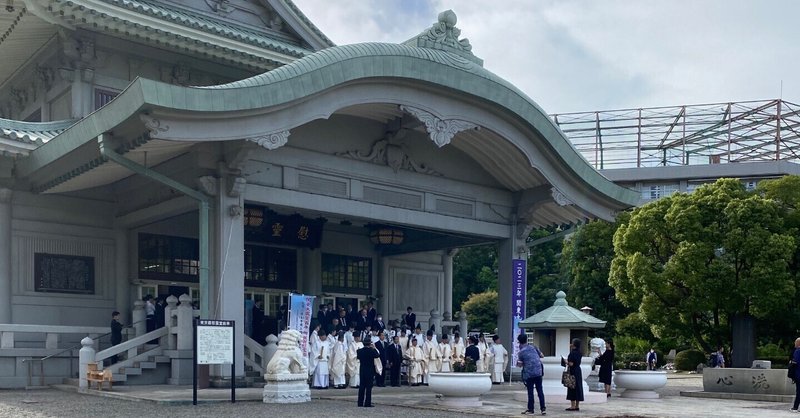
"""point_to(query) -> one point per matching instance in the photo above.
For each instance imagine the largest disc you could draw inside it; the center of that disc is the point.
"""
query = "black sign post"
(214, 342)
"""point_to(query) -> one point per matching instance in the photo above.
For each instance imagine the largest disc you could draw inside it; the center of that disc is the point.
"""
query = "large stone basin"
(641, 384)
(460, 389)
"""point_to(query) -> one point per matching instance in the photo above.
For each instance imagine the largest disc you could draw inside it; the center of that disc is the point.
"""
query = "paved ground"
(170, 401)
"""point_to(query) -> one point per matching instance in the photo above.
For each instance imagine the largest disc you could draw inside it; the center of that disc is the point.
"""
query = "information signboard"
(214, 340)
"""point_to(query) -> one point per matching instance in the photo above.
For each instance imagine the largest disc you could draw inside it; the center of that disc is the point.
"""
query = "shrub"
(467, 366)
(625, 344)
(771, 350)
(688, 360)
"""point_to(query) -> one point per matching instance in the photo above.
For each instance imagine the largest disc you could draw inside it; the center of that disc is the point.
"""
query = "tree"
(544, 278)
(694, 262)
(585, 263)
(474, 271)
(481, 310)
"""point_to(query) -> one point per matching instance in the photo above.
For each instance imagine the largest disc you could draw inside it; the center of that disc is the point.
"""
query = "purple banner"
(518, 289)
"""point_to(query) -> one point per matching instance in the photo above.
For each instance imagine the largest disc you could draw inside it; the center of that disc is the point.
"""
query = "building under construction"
(660, 150)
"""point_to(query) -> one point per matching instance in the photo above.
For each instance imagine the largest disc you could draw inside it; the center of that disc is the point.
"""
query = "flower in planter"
(637, 365)
(466, 366)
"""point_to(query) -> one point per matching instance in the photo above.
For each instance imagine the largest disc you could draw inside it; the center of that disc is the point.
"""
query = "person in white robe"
(419, 336)
(481, 363)
(353, 365)
(432, 357)
(338, 362)
(500, 360)
(458, 348)
(416, 363)
(321, 352)
(404, 340)
(313, 342)
(446, 354)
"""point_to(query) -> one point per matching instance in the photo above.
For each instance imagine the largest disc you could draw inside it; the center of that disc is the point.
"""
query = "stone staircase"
(149, 357)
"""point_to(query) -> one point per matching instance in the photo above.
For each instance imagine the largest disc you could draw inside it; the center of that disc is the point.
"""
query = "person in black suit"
(394, 357)
(382, 345)
(363, 321)
(379, 324)
(371, 314)
(366, 357)
(472, 351)
(411, 318)
(344, 321)
(331, 314)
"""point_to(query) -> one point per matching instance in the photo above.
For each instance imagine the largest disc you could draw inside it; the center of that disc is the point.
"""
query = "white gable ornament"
(441, 131)
(271, 141)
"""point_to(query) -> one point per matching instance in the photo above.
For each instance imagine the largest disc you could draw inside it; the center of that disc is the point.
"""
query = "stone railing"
(10, 333)
(258, 356)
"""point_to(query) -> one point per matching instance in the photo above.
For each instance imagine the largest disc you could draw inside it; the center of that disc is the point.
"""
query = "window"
(102, 97)
(163, 257)
(658, 191)
(270, 267)
(341, 273)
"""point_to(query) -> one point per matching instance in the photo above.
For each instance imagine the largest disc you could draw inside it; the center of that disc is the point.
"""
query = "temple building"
(228, 150)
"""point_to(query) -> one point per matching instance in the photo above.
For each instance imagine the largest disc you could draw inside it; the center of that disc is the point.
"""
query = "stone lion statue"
(598, 347)
(288, 359)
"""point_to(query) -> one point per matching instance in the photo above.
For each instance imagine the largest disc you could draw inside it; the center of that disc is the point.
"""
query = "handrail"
(127, 345)
(78, 346)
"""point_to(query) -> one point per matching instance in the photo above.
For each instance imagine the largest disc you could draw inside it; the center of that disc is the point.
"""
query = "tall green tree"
(692, 262)
(482, 310)
(474, 271)
(544, 276)
(586, 264)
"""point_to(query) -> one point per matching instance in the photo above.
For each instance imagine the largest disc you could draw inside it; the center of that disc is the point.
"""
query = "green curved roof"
(326, 69)
(36, 133)
(561, 315)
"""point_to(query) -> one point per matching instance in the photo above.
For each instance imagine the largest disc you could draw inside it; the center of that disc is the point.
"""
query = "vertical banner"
(301, 310)
(519, 289)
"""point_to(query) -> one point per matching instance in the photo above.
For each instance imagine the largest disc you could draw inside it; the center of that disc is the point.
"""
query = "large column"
(229, 256)
(312, 272)
(122, 285)
(383, 288)
(447, 260)
(5, 256)
(507, 251)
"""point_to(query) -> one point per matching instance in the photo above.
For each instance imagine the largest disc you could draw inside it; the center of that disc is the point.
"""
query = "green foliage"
(585, 263)
(687, 360)
(544, 278)
(623, 360)
(771, 350)
(481, 310)
(634, 326)
(466, 366)
(688, 263)
(474, 271)
(626, 344)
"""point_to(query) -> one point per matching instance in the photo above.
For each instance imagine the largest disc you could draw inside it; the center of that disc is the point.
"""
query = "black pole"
(194, 361)
(233, 364)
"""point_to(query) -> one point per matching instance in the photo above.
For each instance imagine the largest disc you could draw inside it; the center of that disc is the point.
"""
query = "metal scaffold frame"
(716, 133)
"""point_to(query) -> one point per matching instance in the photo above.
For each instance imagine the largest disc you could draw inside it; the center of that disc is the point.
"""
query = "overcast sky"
(570, 55)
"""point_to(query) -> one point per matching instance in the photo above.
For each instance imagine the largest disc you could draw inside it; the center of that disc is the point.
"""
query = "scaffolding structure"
(716, 133)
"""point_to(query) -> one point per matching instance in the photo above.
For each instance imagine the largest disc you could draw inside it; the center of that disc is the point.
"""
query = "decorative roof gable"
(443, 35)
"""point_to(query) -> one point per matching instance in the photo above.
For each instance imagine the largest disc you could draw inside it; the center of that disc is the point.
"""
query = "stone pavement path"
(170, 401)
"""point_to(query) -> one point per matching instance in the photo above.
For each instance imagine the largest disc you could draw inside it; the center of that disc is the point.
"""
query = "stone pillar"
(229, 257)
(436, 320)
(462, 323)
(447, 261)
(507, 252)
(269, 350)
(85, 356)
(138, 318)
(5, 256)
(122, 297)
(181, 370)
(312, 272)
(170, 313)
(563, 342)
(383, 289)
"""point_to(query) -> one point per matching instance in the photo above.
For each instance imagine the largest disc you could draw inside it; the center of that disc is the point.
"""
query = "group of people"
(360, 352)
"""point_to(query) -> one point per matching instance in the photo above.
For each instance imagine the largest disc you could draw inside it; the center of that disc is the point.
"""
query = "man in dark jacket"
(411, 318)
(116, 333)
(382, 345)
(366, 357)
(394, 357)
(472, 351)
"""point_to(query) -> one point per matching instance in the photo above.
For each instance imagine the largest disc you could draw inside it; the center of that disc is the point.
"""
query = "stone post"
(5, 256)
(447, 260)
(121, 284)
(138, 317)
(462, 323)
(85, 356)
(436, 321)
(181, 371)
(269, 350)
(169, 314)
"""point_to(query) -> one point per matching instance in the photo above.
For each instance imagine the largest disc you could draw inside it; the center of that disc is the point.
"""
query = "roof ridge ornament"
(443, 35)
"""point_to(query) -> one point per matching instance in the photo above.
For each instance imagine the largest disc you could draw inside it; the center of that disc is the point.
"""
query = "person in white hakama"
(458, 349)
(353, 365)
(432, 356)
(482, 348)
(500, 360)
(416, 360)
(338, 362)
(447, 355)
(321, 353)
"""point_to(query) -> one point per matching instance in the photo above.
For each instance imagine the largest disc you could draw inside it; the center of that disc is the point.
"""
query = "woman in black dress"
(606, 363)
(575, 396)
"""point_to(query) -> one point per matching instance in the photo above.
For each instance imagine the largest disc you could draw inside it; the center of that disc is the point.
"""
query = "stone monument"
(287, 372)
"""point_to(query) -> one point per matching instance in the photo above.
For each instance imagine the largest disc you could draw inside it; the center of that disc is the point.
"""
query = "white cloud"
(571, 55)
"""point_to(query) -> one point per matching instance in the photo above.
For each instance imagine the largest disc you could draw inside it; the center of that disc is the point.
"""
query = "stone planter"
(640, 384)
(460, 389)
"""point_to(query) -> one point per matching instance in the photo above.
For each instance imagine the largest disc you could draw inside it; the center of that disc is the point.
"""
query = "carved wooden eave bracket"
(272, 140)
(153, 125)
(560, 198)
(441, 131)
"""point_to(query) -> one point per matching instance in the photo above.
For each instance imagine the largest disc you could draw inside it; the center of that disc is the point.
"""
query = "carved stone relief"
(441, 131)
(153, 125)
(271, 141)
(560, 198)
(390, 151)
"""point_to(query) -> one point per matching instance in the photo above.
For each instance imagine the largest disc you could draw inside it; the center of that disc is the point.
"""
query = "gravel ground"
(51, 403)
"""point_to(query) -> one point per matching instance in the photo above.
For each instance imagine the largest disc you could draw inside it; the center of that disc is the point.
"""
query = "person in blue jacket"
(796, 378)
